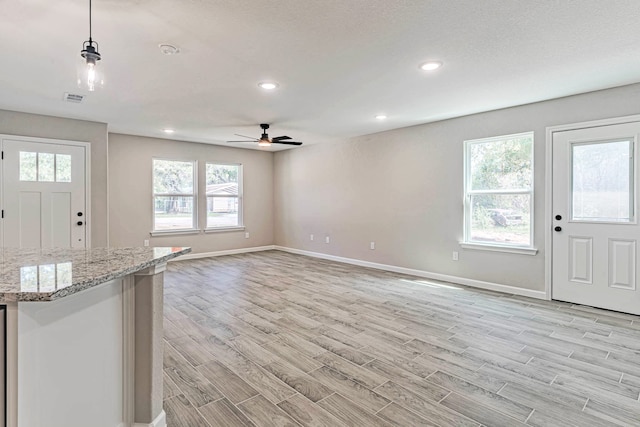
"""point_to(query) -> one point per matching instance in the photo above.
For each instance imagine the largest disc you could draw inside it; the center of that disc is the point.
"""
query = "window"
(224, 195)
(45, 167)
(174, 195)
(499, 191)
(602, 181)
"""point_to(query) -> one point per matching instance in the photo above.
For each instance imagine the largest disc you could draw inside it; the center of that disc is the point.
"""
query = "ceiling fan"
(265, 141)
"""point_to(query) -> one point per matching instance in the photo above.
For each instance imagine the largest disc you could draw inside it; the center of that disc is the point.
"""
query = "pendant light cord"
(90, 21)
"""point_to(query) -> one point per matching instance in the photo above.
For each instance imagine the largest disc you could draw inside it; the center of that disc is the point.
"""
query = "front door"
(43, 194)
(595, 221)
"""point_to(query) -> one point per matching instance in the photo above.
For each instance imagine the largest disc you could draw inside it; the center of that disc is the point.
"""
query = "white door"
(596, 231)
(43, 194)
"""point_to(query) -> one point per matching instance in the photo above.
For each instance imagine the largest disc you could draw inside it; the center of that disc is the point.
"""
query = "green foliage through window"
(499, 190)
(174, 195)
(172, 177)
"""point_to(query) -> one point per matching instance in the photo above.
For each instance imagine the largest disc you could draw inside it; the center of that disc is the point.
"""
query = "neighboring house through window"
(499, 191)
(224, 195)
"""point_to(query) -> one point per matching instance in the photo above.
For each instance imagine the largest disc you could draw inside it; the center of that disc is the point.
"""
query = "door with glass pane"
(43, 194)
(596, 232)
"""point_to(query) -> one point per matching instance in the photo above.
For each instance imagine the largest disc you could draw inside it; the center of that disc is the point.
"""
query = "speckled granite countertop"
(51, 274)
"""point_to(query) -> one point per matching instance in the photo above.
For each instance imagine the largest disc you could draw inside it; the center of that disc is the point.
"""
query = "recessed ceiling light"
(169, 49)
(268, 85)
(381, 117)
(431, 65)
(168, 130)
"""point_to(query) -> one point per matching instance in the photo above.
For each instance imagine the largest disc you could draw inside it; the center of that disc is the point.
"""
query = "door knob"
(79, 223)
(558, 228)
(558, 217)
(79, 213)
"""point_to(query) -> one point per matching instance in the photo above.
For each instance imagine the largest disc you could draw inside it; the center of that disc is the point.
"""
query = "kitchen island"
(83, 336)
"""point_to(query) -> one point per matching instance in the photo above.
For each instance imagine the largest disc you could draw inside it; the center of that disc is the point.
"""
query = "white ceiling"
(338, 62)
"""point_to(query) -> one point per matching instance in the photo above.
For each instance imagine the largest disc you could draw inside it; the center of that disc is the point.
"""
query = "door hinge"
(2, 213)
(2, 156)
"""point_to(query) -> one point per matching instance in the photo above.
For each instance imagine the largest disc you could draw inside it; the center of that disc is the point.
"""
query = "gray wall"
(24, 124)
(403, 190)
(130, 181)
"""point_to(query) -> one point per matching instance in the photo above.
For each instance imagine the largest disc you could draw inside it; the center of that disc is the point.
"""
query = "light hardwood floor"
(275, 339)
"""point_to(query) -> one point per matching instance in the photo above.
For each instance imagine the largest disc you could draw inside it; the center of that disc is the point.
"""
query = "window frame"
(194, 224)
(468, 194)
(239, 197)
(633, 196)
(55, 171)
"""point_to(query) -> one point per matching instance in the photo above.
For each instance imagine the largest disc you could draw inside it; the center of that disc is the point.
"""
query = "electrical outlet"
(326, 239)
(311, 237)
(372, 246)
(455, 256)
(146, 242)
(246, 235)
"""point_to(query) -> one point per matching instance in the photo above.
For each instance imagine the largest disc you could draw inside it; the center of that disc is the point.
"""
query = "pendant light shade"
(90, 76)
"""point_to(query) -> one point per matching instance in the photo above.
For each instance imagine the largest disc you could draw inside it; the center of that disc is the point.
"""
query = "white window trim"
(194, 229)
(492, 246)
(240, 226)
(173, 232)
(499, 248)
(223, 229)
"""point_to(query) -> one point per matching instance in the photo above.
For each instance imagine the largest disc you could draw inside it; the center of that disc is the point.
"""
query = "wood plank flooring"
(276, 339)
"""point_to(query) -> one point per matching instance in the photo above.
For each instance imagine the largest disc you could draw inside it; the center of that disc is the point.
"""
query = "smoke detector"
(168, 49)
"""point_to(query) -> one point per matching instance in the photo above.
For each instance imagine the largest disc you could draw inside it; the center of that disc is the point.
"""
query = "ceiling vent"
(73, 97)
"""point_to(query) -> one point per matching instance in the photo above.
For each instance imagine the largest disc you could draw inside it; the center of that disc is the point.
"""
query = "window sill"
(496, 248)
(223, 229)
(172, 232)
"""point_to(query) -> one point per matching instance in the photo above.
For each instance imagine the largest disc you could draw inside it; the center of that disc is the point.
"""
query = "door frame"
(548, 186)
(87, 173)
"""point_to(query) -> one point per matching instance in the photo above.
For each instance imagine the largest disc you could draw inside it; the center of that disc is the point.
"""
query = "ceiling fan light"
(264, 143)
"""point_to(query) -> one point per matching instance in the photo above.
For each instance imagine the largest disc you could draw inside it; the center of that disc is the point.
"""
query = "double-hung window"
(499, 191)
(174, 195)
(224, 195)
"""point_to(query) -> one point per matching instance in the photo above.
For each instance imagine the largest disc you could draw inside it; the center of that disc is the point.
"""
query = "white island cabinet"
(83, 336)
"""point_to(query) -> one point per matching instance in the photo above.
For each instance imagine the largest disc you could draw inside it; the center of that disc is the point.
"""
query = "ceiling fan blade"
(287, 142)
(255, 140)
(280, 138)
(245, 136)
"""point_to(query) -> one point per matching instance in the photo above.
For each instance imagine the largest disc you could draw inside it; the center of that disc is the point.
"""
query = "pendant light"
(89, 74)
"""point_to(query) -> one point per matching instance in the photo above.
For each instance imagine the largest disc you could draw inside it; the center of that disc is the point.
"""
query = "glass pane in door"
(46, 171)
(602, 181)
(28, 166)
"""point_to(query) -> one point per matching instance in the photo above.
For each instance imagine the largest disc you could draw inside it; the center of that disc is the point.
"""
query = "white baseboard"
(160, 421)
(421, 273)
(221, 253)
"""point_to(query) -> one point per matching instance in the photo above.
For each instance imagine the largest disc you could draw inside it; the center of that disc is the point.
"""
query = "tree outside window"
(499, 190)
(174, 195)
